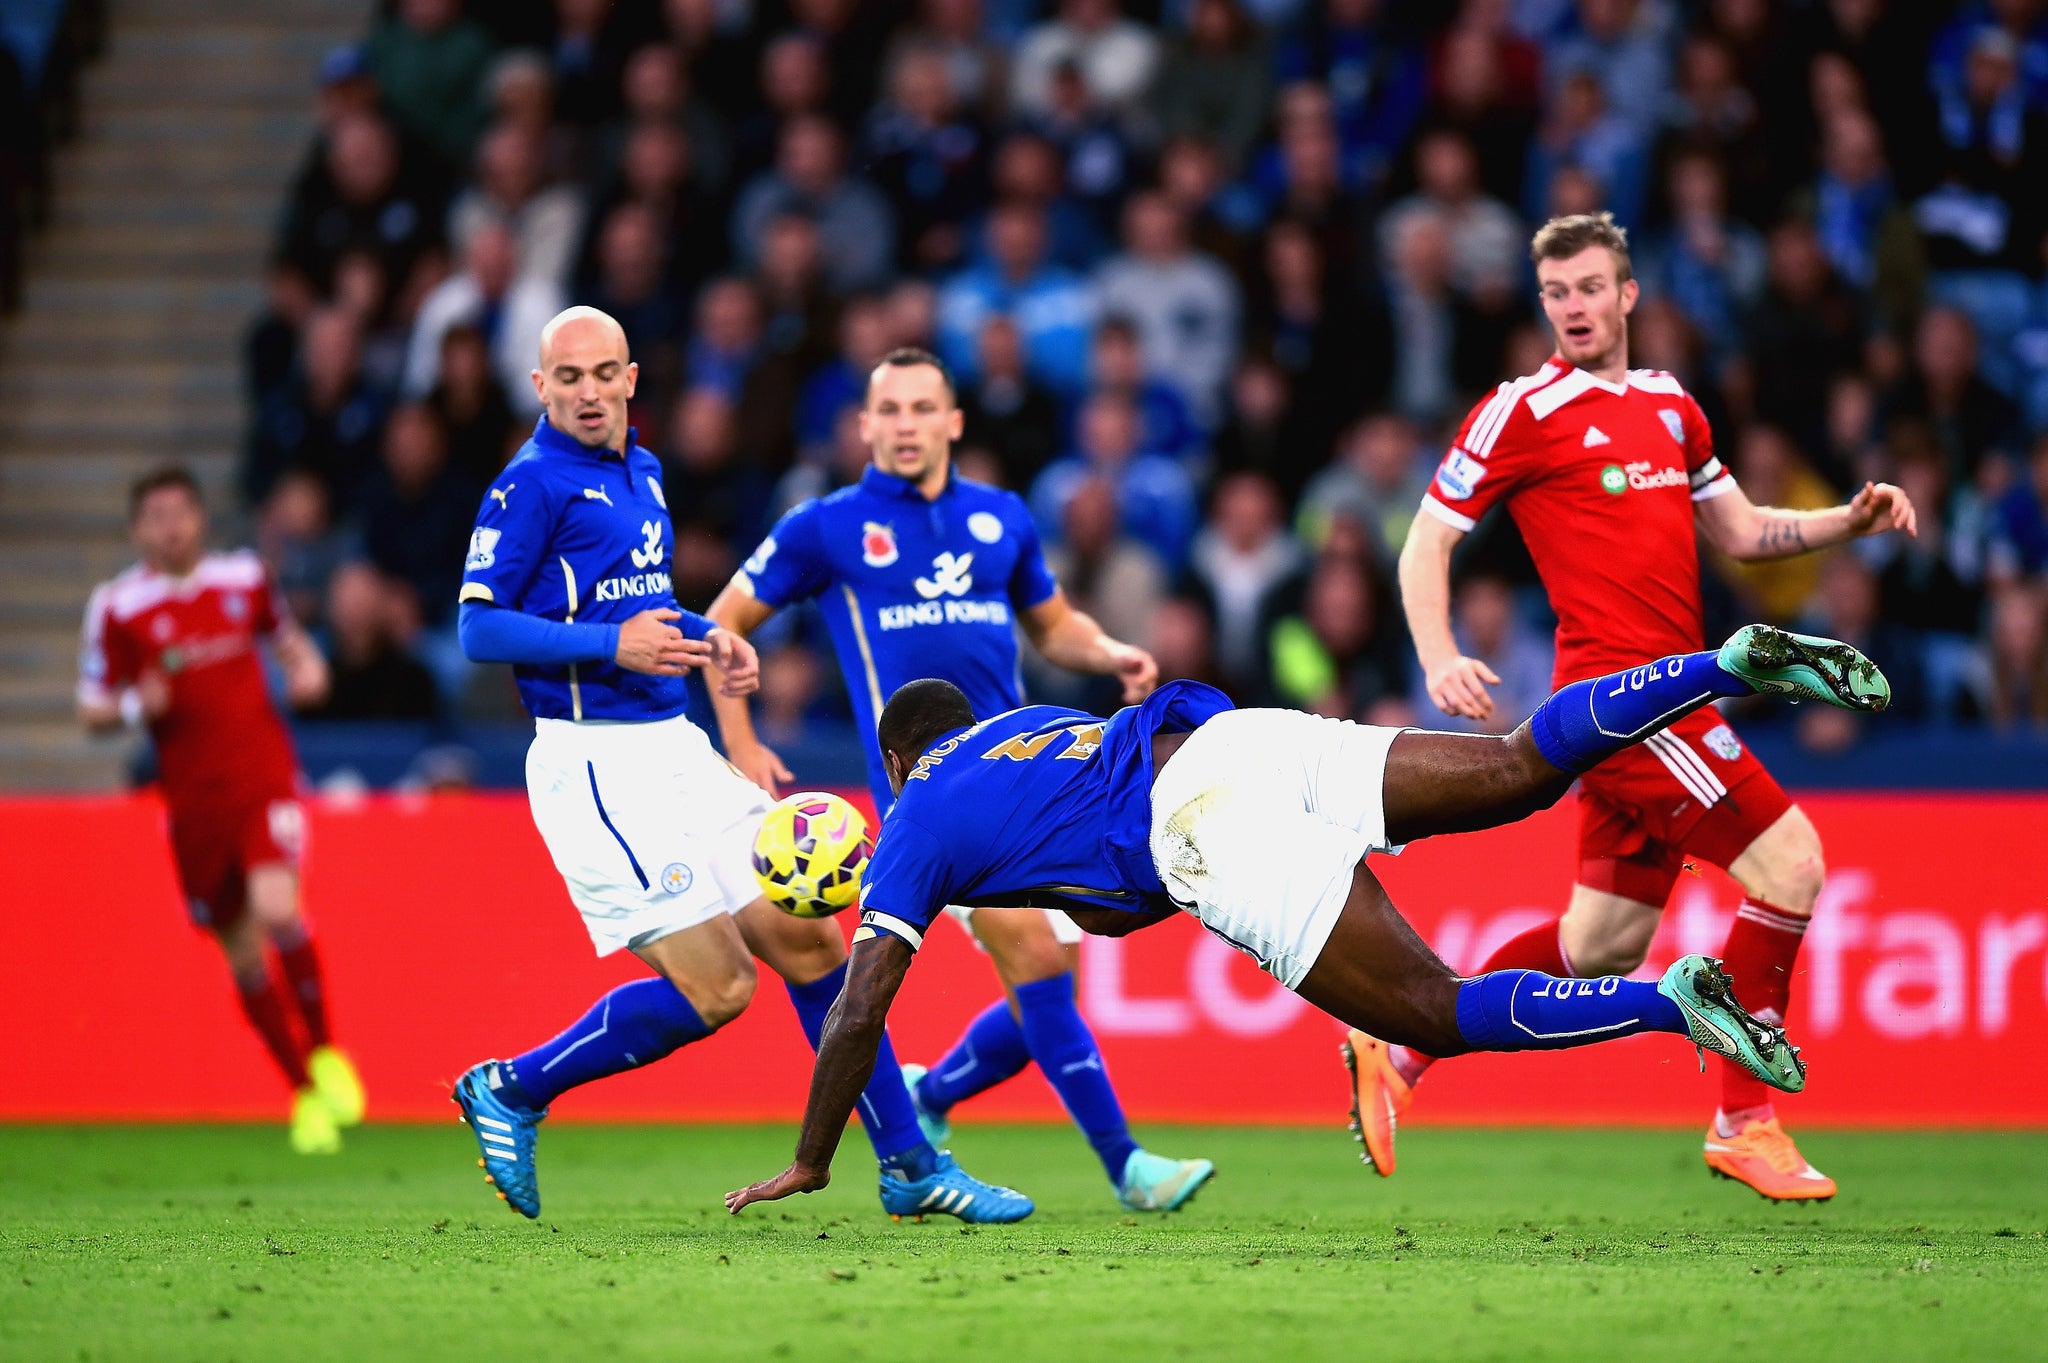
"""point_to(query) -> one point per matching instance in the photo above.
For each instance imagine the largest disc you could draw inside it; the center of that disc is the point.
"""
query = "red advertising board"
(1923, 993)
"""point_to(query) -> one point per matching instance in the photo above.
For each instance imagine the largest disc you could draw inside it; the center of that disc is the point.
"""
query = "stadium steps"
(127, 350)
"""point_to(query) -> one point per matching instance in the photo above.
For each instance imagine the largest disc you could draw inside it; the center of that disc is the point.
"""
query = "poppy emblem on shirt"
(877, 545)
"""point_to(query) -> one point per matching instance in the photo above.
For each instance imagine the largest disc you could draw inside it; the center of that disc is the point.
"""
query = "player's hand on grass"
(649, 643)
(760, 764)
(795, 1179)
(1137, 670)
(1879, 507)
(1459, 687)
(736, 662)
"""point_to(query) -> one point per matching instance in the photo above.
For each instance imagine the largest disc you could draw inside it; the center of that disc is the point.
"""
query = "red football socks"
(263, 1002)
(1762, 947)
(1540, 948)
(302, 972)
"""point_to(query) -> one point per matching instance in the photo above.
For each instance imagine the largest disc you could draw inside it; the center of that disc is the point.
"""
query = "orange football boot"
(1763, 1157)
(1379, 1095)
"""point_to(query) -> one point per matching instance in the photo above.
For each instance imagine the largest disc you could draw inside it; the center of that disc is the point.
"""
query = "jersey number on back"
(1087, 738)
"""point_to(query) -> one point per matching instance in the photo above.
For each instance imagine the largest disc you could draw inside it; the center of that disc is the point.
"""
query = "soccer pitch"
(214, 1242)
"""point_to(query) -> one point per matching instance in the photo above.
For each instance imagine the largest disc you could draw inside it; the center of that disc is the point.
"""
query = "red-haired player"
(1607, 471)
(172, 643)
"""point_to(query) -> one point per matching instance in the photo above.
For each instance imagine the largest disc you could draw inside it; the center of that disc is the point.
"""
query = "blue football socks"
(634, 1025)
(1589, 721)
(991, 1050)
(1526, 1010)
(886, 1113)
(1065, 1050)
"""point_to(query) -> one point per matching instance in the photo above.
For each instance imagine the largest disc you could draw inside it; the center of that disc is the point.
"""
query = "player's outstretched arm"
(1747, 532)
(1073, 639)
(305, 668)
(1457, 684)
(741, 614)
(846, 1060)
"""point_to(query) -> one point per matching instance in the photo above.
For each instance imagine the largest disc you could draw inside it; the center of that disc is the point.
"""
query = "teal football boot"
(1800, 667)
(1717, 1023)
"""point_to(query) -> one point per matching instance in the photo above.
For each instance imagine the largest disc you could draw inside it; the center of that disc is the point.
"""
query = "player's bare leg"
(1442, 783)
(1606, 934)
(273, 898)
(242, 941)
(1377, 975)
(1781, 873)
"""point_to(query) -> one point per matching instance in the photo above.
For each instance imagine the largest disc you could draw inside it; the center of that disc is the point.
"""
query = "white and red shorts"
(216, 843)
(1693, 789)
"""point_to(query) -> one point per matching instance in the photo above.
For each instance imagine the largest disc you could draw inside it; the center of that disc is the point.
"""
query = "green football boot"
(1717, 1023)
(1800, 667)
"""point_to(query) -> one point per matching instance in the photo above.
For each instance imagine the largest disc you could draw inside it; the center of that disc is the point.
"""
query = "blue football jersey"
(1043, 806)
(579, 535)
(910, 588)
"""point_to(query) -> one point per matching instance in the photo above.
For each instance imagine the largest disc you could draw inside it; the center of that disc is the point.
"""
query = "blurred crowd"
(1218, 279)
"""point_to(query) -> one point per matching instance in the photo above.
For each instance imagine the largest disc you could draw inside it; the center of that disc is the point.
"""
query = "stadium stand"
(1216, 275)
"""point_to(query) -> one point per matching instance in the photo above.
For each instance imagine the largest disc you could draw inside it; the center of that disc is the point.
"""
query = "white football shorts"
(1063, 930)
(652, 830)
(1258, 821)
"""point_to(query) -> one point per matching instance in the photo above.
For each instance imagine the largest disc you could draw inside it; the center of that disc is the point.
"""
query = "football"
(810, 852)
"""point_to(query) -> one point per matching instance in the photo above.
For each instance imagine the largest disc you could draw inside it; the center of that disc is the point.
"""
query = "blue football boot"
(954, 1191)
(936, 1128)
(504, 1134)
(1154, 1183)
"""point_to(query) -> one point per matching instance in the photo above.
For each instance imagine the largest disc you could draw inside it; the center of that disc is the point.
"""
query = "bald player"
(567, 580)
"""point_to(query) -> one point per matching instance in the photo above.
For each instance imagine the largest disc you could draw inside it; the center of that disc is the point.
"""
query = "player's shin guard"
(1763, 945)
(1068, 1058)
(1589, 721)
(886, 1113)
(301, 964)
(991, 1050)
(634, 1025)
(1523, 1010)
(263, 1004)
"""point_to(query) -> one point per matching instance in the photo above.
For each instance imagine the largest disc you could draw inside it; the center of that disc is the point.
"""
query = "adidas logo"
(1596, 436)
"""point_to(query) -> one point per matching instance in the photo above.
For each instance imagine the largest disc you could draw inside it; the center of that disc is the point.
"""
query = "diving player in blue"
(1258, 822)
(922, 573)
(567, 579)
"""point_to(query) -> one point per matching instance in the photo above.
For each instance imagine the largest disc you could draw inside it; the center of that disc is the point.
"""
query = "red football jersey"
(1601, 479)
(221, 739)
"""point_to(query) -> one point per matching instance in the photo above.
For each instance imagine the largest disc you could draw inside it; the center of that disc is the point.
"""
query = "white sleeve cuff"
(895, 927)
(1457, 520)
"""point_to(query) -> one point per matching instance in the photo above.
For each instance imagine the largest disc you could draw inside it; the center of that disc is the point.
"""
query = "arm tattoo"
(1781, 535)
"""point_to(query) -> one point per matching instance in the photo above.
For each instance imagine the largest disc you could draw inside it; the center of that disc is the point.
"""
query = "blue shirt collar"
(875, 482)
(548, 438)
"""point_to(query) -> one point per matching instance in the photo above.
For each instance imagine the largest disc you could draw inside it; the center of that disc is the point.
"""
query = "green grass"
(215, 1243)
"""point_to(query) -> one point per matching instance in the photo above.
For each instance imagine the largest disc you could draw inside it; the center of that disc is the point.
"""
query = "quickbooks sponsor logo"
(1617, 479)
